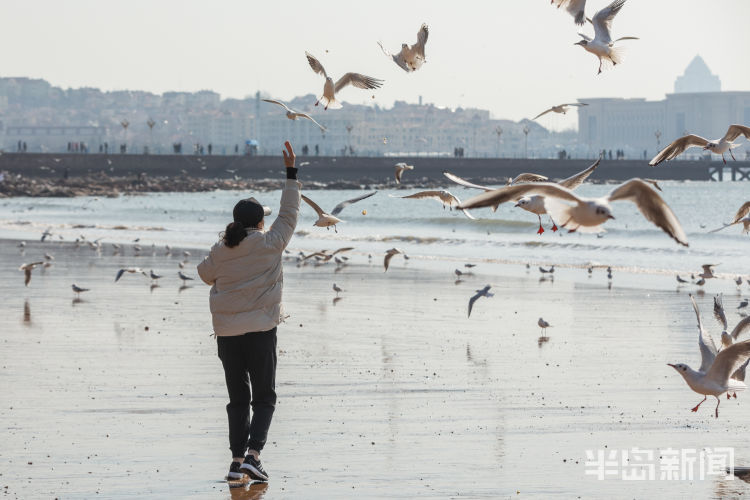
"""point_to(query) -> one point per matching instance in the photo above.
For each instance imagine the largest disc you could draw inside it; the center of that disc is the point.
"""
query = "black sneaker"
(254, 469)
(235, 472)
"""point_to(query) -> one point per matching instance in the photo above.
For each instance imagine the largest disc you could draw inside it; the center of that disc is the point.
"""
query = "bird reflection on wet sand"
(26, 313)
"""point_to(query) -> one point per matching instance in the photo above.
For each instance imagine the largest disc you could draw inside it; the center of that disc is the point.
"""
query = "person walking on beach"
(245, 273)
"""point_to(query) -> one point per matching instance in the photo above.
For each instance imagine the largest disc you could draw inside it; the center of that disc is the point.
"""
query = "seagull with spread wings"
(293, 115)
(326, 219)
(330, 89)
(132, 270)
(718, 146)
(727, 338)
(575, 8)
(27, 268)
(560, 108)
(444, 197)
(588, 214)
(389, 255)
(400, 167)
(484, 292)
(602, 45)
(535, 203)
(410, 58)
(718, 368)
(742, 217)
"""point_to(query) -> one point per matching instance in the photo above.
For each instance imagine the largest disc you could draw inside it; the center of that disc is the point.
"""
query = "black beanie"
(249, 212)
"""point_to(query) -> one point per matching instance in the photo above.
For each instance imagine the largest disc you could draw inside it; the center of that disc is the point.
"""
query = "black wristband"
(291, 173)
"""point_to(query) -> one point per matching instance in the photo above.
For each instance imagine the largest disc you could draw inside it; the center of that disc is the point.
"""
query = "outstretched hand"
(288, 155)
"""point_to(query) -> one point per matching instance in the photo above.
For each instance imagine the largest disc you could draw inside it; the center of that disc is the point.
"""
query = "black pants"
(249, 369)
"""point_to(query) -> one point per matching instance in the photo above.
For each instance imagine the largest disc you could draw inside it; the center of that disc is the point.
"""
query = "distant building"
(697, 78)
(633, 125)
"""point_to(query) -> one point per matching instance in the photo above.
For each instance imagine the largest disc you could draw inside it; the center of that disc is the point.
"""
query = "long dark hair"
(234, 233)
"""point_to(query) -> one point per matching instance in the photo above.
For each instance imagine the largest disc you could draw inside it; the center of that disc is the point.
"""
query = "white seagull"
(588, 214)
(410, 58)
(743, 325)
(742, 217)
(400, 167)
(717, 368)
(534, 203)
(484, 292)
(131, 270)
(718, 146)
(77, 289)
(185, 278)
(327, 220)
(330, 89)
(293, 115)
(602, 45)
(574, 7)
(543, 325)
(444, 197)
(560, 108)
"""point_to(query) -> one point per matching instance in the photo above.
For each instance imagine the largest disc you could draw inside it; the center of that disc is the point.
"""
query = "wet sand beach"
(389, 392)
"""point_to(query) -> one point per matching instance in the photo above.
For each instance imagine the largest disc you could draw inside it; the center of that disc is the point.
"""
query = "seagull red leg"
(554, 226)
(732, 154)
(699, 404)
(541, 229)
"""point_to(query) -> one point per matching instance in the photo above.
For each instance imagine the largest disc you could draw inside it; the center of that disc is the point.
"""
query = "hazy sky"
(513, 57)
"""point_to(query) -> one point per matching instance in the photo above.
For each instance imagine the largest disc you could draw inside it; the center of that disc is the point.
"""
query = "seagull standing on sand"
(602, 45)
(410, 58)
(185, 278)
(400, 167)
(484, 292)
(588, 214)
(153, 275)
(741, 217)
(77, 289)
(714, 376)
(330, 89)
(575, 8)
(27, 268)
(543, 325)
(293, 115)
(718, 146)
(337, 289)
(560, 108)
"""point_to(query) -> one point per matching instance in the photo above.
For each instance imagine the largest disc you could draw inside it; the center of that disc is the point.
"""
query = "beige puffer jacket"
(247, 280)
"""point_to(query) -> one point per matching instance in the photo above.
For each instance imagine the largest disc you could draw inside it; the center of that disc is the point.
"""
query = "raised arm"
(282, 228)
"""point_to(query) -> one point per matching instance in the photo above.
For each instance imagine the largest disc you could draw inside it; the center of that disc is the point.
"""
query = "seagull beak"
(517, 205)
(670, 364)
(611, 216)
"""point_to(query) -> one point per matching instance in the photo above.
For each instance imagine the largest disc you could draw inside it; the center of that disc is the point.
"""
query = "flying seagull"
(410, 58)
(132, 270)
(718, 146)
(560, 108)
(27, 268)
(400, 167)
(389, 255)
(484, 292)
(534, 203)
(442, 196)
(602, 45)
(329, 89)
(714, 376)
(327, 220)
(741, 217)
(293, 115)
(588, 214)
(727, 338)
(574, 7)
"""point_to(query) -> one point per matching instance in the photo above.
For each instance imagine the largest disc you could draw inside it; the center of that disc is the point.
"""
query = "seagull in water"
(588, 214)
(560, 108)
(329, 88)
(718, 146)
(410, 58)
(714, 376)
(400, 167)
(293, 115)
(77, 289)
(484, 292)
(602, 45)
(575, 8)
(327, 220)
(185, 278)
(442, 196)
(741, 217)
